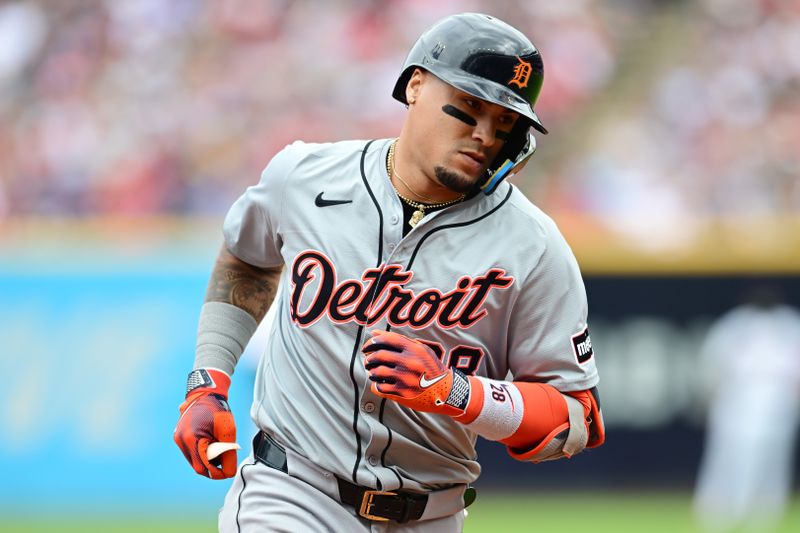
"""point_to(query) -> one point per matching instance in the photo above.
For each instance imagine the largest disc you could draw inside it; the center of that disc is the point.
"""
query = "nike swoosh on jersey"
(319, 201)
(425, 383)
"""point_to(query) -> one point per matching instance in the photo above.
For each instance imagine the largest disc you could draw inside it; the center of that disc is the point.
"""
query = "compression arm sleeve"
(222, 335)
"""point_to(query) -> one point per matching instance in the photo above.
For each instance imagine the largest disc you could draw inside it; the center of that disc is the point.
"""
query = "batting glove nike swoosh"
(408, 372)
(205, 418)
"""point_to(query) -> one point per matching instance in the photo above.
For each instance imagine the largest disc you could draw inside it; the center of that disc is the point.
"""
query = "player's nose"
(485, 131)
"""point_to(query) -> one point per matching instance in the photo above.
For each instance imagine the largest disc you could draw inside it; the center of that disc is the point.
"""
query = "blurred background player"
(752, 357)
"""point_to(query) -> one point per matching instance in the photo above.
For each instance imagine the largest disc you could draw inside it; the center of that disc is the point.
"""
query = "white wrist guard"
(502, 410)
(222, 334)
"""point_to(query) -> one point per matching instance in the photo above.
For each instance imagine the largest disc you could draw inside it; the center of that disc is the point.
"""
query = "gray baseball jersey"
(489, 283)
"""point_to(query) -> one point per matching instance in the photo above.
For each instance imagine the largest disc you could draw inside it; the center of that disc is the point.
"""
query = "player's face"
(455, 135)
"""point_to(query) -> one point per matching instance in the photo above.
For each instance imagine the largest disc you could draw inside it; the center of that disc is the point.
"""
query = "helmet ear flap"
(512, 157)
(517, 139)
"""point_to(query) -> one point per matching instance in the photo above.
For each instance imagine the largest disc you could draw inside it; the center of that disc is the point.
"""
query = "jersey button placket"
(368, 407)
(393, 233)
(391, 251)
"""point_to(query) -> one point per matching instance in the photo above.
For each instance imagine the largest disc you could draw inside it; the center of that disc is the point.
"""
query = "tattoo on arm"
(248, 287)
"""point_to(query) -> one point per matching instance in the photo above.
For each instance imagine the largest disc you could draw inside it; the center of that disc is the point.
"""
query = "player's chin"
(456, 180)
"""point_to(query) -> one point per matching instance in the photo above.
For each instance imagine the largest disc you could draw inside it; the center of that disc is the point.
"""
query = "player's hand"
(409, 372)
(206, 418)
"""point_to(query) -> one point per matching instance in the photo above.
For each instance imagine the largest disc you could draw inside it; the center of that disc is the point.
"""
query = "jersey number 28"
(463, 358)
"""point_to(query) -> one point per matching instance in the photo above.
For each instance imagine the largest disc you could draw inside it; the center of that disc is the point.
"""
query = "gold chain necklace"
(419, 207)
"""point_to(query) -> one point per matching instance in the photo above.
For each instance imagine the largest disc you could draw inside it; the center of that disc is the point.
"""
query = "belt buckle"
(366, 504)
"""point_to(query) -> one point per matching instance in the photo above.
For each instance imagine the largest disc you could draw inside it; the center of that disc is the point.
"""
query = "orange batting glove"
(206, 418)
(409, 372)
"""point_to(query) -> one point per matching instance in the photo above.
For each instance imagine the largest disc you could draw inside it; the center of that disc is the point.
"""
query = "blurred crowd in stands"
(658, 110)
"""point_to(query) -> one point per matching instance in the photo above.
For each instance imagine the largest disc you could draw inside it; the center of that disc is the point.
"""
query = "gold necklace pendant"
(416, 217)
(419, 208)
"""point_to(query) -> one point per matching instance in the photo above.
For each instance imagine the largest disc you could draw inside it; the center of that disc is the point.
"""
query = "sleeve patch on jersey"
(582, 346)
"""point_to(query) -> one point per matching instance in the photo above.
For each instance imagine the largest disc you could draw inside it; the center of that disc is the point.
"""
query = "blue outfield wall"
(95, 365)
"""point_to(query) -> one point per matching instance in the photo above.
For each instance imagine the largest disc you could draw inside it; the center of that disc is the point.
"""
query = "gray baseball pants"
(263, 499)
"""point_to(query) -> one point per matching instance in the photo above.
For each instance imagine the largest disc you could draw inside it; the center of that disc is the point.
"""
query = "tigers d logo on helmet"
(522, 72)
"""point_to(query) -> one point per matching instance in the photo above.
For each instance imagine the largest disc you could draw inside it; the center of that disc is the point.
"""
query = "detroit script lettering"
(380, 293)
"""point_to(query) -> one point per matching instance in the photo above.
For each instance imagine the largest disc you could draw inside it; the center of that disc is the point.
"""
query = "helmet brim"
(478, 87)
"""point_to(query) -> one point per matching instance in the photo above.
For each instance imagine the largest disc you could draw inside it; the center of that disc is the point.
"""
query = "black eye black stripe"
(464, 117)
(460, 115)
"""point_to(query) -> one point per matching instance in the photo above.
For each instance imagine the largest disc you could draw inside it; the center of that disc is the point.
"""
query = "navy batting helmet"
(485, 57)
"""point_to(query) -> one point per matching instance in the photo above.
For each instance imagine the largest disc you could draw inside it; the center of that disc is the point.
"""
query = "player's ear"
(414, 85)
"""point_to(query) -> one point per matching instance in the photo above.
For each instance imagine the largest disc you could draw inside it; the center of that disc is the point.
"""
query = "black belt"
(377, 505)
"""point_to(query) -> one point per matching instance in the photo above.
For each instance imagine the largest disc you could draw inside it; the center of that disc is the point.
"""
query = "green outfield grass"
(491, 513)
(606, 513)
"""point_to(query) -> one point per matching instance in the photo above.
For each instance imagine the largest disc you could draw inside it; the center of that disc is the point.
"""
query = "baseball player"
(424, 302)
